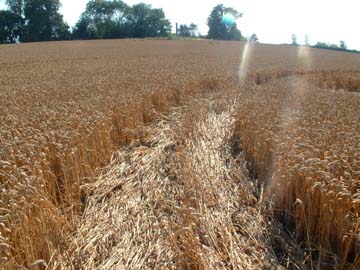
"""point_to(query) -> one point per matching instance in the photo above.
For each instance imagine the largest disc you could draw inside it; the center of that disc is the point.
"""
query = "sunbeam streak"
(244, 62)
(304, 57)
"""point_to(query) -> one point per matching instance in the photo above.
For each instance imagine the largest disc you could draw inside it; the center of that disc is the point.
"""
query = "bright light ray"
(304, 59)
(298, 93)
(244, 62)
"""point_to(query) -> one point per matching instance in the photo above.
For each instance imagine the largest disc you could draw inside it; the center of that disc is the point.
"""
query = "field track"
(141, 154)
(175, 201)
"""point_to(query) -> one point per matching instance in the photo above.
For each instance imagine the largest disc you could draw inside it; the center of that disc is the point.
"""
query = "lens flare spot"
(228, 19)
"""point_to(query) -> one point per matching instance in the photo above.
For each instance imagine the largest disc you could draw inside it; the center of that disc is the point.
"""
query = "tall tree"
(234, 33)
(84, 29)
(307, 40)
(16, 6)
(217, 29)
(44, 22)
(11, 26)
(253, 38)
(147, 22)
(42, 19)
(115, 19)
(187, 31)
(100, 19)
(343, 45)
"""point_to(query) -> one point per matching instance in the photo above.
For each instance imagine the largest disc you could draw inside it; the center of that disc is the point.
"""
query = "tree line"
(40, 20)
(115, 19)
(341, 47)
(322, 45)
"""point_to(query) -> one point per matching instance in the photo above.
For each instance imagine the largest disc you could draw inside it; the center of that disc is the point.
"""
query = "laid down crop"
(174, 201)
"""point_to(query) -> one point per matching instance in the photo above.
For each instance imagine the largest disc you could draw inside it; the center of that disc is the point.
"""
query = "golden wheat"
(65, 107)
(303, 142)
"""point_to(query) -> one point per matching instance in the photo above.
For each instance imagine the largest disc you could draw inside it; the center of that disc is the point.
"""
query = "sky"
(274, 21)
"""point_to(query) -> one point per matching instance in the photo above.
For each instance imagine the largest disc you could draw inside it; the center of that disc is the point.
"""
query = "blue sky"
(274, 21)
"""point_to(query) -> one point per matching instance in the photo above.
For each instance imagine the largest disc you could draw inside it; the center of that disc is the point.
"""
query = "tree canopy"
(217, 29)
(40, 19)
(101, 19)
(342, 46)
(16, 6)
(44, 22)
(11, 26)
(147, 22)
(253, 38)
(187, 31)
(115, 19)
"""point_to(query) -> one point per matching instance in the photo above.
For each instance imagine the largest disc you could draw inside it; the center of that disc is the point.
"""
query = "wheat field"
(154, 154)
